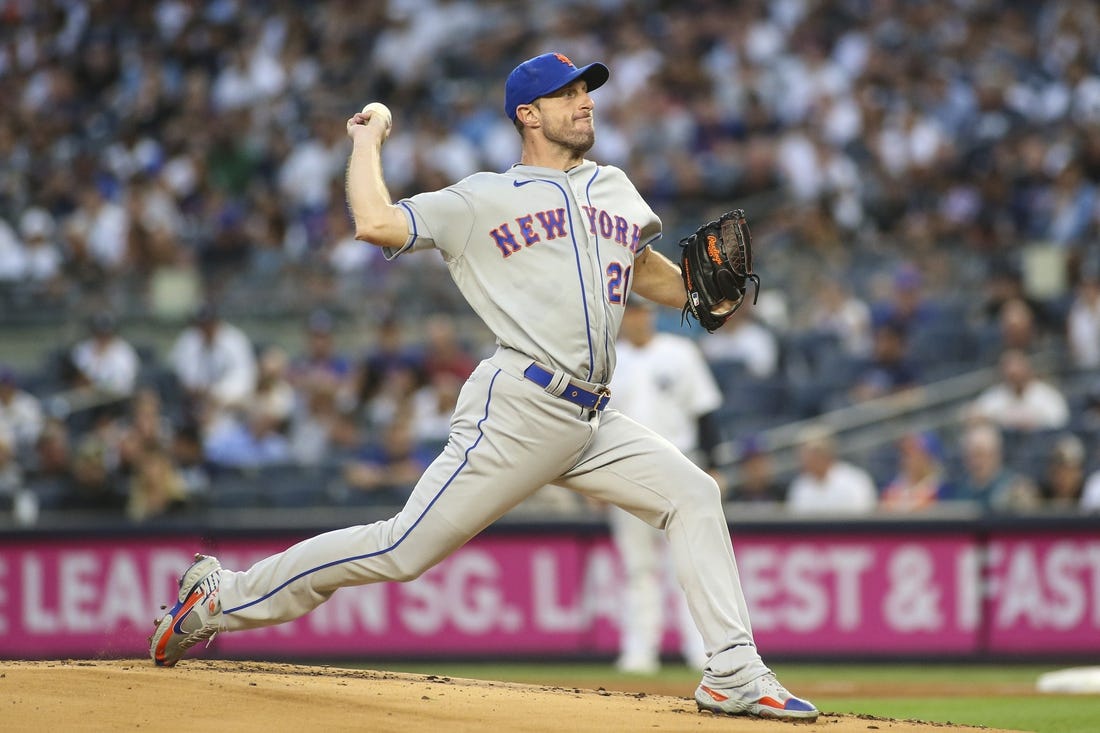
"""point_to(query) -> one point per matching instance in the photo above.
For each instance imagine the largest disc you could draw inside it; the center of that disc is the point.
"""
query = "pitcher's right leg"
(489, 465)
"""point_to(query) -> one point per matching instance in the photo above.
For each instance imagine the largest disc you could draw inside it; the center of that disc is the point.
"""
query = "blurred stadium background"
(922, 181)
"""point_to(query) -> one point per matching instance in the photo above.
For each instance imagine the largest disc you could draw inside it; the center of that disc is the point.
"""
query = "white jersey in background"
(666, 385)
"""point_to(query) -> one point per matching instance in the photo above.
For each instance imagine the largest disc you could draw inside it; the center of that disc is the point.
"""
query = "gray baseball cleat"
(764, 697)
(196, 616)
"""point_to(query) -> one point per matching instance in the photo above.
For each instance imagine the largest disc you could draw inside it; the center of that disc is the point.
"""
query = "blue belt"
(576, 394)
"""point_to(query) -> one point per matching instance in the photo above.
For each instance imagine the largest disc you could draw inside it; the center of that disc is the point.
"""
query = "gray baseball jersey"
(537, 251)
(545, 258)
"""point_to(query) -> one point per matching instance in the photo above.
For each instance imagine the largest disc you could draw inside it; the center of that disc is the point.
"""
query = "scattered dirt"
(111, 695)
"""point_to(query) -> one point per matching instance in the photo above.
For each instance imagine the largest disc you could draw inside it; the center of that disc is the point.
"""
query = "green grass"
(1022, 712)
(1041, 714)
(1025, 711)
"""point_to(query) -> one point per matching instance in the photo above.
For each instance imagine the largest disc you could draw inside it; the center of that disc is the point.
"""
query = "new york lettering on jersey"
(610, 226)
(561, 244)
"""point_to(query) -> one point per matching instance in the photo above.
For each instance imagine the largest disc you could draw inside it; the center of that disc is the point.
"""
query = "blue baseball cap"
(547, 73)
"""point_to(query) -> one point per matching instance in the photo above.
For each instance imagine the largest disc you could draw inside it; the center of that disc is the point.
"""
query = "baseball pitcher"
(546, 253)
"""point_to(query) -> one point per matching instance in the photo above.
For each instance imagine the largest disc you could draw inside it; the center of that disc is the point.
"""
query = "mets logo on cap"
(565, 60)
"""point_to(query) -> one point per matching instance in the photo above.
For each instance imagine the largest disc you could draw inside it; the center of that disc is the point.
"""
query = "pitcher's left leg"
(632, 467)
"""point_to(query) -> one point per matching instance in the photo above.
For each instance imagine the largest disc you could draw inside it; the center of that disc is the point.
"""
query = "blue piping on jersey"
(577, 257)
(415, 232)
(599, 263)
(402, 538)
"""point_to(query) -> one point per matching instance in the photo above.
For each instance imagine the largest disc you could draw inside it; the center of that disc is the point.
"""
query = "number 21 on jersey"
(618, 282)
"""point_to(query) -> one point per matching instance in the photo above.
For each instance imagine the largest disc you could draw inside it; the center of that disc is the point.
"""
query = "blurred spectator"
(1070, 208)
(986, 479)
(432, 407)
(274, 396)
(313, 164)
(190, 461)
(147, 428)
(105, 362)
(1063, 482)
(773, 311)
(394, 397)
(390, 466)
(1090, 495)
(388, 353)
(1083, 322)
(825, 484)
(156, 487)
(320, 427)
(443, 351)
(251, 440)
(1003, 284)
(838, 312)
(1016, 327)
(20, 411)
(157, 222)
(946, 172)
(921, 481)
(1021, 401)
(41, 255)
(743, 341)
(321, 365)
(895, 163)
(906, 304)
(888, 370)
(11, 474)
(757, 482)
(356, 265)
(11, 255)
(102, 229)
(53, 451)
(1087, 416)
(388, 374)
(214, 361)
(96, 483)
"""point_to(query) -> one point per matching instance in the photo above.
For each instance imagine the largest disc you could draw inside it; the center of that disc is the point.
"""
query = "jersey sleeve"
(651, 232)
(440, 219)
(651, 228)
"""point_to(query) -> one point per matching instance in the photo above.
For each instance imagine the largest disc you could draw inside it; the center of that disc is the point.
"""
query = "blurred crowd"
(221, 412)
(921, 177)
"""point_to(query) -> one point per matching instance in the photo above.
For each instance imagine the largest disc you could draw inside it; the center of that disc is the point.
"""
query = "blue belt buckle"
(594, 401)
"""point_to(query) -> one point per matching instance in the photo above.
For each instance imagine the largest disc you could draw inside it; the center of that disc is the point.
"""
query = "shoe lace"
(769, 687)
(205, 633)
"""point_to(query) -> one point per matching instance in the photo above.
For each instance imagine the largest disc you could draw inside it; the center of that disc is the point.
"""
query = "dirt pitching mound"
(111, 695)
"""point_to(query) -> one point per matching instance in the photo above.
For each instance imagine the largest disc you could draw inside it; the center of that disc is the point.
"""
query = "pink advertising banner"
(872, 595)
(1044, 593)
(560, 595)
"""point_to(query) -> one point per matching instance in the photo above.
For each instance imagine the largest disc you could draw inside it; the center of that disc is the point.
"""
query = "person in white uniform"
(546, 253)
(662, 381)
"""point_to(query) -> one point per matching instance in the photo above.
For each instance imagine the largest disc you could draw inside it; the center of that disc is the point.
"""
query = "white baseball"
(377, 109)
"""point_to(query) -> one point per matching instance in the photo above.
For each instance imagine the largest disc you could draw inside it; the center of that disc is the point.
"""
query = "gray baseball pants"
(509, 437)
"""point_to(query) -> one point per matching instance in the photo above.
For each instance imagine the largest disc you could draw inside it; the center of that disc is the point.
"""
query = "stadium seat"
(294, 486)
(235, 490)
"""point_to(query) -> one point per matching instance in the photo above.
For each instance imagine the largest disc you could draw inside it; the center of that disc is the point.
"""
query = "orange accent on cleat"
(718, 696)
